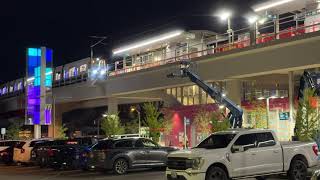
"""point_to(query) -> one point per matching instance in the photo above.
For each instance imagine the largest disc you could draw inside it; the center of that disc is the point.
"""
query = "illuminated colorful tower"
(39, 83)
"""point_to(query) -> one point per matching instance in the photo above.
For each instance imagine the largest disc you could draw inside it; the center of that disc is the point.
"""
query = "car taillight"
(50, 152)
(315, 149)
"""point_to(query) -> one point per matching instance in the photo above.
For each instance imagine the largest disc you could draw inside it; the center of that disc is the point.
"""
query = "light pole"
(139, 118)
(225, 15)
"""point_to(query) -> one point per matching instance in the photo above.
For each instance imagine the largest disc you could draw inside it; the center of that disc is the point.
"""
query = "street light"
(225, 15)
(139, 118)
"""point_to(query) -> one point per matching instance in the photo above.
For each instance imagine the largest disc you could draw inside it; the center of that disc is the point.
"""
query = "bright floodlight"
(270, 4)
(253, 19)
(224, 15)
(148, 42)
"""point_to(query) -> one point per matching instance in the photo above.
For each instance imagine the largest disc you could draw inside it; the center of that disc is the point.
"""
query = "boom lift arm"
(235, 114)
(309, 80)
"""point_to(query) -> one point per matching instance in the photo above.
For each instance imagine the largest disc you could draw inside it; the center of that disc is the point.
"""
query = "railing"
(288, 27)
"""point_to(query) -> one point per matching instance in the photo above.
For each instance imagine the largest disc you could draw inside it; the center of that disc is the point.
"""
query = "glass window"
(147, 143)
(11, 89)
(247, 141)
(185, 96)
(196, 98)
(83, 68)
(203, 97)
(265, 139)
(124, 144)
(190, 95)
(128, 61)
(174, 92)
(179, 94)
(103, 145)
(58, 76)
(169, 91)
(72, 72)
(216, 141)
(20, 86)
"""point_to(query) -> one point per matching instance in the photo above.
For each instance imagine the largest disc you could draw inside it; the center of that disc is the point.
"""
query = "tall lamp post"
(225, 15)
(139, 118)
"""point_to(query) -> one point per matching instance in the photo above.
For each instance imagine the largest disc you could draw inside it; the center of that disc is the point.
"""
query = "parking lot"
(36, 173)
(32, 173)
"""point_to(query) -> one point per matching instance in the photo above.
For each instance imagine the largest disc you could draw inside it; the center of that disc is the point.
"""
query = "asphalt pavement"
(36, 173)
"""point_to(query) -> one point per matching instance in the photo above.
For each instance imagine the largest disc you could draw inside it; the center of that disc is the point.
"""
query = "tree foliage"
(61, 132)
(13, 131)
(167, 124)
(153, 120)
(111, 125)
(132, 127)
(219, 122)
(202, 121)
(307, 118)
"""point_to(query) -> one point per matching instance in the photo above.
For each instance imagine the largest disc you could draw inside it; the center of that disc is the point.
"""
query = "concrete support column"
(234, 90)
(37, 131)
(112, 105)
(291, 102)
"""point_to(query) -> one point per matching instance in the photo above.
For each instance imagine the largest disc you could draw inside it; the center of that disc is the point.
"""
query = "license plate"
(174, 175)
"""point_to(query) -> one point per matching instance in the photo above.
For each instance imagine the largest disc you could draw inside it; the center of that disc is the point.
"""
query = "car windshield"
(216, 141)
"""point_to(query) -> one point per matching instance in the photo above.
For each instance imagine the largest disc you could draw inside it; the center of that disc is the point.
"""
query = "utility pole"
(100, 40)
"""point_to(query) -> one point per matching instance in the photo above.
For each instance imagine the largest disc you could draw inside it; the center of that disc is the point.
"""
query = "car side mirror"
(236, 149)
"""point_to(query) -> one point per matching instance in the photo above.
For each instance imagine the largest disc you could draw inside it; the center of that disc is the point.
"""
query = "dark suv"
(120, 155)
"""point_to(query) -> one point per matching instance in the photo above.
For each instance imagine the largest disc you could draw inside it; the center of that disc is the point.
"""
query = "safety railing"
(282, 28)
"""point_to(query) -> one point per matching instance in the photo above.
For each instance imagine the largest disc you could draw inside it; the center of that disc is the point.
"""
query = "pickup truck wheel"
(120, 166)
(298, 170)
(216, 173)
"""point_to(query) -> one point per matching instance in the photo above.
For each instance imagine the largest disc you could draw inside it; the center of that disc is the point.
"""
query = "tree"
(132, 127)
(61, 132)
(111, 125)
(14, 129)
(307, 118)
(153, 120)
(202, 121)
(167, 121)
(219, 122)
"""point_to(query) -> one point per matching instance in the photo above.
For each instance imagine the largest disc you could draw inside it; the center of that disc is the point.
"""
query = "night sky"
(65, 25)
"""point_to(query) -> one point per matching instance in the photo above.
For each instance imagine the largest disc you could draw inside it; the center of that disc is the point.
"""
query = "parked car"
(43, 152)
(67, 156)
(22, 152)
(242, 154)
(6, 151)
(120, 155)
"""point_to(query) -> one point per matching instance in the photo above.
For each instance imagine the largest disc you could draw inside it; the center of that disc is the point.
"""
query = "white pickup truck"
(242, 154)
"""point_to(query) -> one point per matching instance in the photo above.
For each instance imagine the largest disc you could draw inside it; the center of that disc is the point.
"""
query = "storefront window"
(185, 96)
(174, 92)
(169, 91)
(190, 95)
(179, 94)
(196, 98)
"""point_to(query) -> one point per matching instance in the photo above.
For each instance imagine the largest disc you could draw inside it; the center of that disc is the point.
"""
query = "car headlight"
(197, 163)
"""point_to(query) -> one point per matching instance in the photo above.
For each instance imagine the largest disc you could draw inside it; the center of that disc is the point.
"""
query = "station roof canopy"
(282, 6)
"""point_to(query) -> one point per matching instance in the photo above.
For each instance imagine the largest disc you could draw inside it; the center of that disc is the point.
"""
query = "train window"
(72, 72)
(58, 76)
(83, 68)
